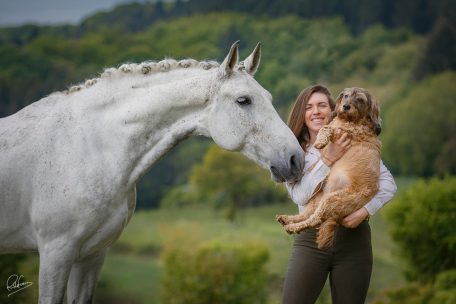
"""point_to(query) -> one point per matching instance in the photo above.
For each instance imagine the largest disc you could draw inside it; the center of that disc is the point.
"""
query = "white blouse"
(302, 190)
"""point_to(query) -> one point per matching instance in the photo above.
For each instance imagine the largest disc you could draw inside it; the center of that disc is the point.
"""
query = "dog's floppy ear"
(338, 100)
(374, 114)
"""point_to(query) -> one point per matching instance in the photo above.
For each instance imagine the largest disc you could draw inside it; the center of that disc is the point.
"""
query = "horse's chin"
(280, 177)
(292, 172)
(277, 179)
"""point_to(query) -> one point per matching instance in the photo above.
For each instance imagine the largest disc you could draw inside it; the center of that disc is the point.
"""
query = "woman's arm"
(301, 191)
(317, 168)
(386, 190)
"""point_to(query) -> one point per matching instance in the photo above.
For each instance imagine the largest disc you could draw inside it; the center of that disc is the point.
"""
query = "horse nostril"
(346, 107)
(292, 161)
(295, 164)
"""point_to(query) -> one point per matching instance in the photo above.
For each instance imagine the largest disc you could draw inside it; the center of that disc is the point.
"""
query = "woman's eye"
(244, 100)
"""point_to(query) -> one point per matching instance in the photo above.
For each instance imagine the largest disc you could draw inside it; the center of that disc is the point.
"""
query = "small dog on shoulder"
(353, 179)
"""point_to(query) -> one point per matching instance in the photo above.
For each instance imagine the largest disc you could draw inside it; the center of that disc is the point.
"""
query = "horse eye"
(244, 100)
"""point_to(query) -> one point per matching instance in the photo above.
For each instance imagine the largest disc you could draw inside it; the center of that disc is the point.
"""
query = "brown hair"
(296, 120)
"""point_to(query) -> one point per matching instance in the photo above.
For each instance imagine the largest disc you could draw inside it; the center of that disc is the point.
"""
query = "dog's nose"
(346, 107)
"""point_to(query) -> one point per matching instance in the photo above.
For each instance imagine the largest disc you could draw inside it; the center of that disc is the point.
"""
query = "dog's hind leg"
(336, 204)
(289, 219)
(318, 216)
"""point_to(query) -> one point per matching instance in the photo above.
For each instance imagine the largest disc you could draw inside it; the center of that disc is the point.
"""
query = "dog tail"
(326, 233)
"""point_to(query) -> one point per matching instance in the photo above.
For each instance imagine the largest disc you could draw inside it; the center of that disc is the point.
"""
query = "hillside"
(297, 52)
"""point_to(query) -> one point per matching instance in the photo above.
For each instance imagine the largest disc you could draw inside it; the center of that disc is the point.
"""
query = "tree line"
(297, 52)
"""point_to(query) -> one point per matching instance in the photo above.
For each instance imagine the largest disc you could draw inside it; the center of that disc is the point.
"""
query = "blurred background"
(204, 229)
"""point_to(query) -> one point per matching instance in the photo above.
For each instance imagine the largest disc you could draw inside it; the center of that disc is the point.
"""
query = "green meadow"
(133, 269)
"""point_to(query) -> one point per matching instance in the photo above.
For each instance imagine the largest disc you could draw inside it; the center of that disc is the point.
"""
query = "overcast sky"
(16, 12)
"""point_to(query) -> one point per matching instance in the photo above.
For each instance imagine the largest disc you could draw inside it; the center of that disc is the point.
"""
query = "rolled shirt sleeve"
(315, 171)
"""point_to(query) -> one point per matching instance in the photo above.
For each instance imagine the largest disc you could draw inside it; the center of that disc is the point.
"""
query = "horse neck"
(142, 119)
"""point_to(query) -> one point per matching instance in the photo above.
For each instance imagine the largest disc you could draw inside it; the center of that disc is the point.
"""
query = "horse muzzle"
(289, 171)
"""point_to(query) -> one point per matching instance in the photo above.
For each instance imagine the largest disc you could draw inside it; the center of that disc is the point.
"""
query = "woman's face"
(318, 112)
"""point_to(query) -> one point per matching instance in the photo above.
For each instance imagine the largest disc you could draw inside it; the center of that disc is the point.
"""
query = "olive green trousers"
(348, 263)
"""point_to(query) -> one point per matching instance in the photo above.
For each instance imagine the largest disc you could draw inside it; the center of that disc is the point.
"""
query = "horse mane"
(145, 68)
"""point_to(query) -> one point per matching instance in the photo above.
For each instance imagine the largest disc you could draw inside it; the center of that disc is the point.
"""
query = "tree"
(419, 131)
(423, 220)
(232, 182)
(440, 50)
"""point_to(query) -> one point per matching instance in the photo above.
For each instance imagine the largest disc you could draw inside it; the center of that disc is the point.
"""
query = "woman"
(348, 262)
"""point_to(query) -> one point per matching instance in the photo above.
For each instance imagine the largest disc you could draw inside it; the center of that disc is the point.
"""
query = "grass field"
(132, 270)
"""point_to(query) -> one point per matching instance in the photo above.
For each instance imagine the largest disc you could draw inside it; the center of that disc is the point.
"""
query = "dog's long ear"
(338, 100)
(374, 114)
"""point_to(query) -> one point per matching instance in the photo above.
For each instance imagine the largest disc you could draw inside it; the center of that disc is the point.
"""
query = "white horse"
(69, 162)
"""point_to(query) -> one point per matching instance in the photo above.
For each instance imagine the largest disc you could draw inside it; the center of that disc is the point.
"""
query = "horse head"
(242, 118)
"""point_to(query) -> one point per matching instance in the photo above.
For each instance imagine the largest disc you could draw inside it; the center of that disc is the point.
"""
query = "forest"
(404, 52)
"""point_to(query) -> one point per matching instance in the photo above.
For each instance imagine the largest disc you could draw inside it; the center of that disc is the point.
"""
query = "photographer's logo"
(14, 284)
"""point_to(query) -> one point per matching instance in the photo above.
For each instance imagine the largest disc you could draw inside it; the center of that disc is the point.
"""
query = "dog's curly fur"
(353, 179)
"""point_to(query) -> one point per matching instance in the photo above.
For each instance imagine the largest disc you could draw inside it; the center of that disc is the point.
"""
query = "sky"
(17, 12)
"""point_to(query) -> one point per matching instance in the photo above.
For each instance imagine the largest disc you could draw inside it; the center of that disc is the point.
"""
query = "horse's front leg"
(56, 258)
(83, 278)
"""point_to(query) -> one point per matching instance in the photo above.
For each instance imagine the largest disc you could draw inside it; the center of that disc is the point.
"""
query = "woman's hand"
(356, 218)
(335, 150)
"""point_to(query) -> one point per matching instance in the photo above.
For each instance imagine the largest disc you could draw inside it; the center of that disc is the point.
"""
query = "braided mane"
(145, 68)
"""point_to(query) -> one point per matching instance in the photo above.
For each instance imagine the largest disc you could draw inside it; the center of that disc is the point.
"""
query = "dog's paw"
(319, 145)
(291, 229)
(282, 219)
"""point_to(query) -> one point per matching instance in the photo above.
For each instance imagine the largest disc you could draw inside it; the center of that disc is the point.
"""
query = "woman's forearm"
(301, 191)
(386, 190)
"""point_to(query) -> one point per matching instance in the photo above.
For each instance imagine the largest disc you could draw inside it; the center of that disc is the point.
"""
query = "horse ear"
(252, 62)
(230, 60)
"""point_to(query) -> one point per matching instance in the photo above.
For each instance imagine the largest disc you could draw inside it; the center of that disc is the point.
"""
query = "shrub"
(442, 291)
(419, 130)
(215, 273)
(232, 182)
(445, 287)
(423, 221)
